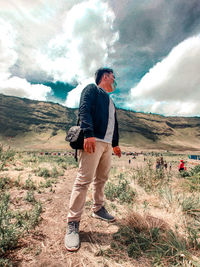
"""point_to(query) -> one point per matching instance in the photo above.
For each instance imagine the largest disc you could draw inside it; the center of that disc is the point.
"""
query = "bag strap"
(78, 121)
(76, 150)
(76, 155)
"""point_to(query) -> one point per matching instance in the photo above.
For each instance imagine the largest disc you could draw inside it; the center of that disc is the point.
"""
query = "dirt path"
(53, 225)
(48, 239)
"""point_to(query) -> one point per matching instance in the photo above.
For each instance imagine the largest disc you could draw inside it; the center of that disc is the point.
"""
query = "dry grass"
(160, 214)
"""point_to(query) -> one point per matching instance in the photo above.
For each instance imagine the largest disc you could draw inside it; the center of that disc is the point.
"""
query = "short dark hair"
(99, 73)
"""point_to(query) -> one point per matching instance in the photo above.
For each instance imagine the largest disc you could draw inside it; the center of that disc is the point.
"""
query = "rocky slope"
(21, 116)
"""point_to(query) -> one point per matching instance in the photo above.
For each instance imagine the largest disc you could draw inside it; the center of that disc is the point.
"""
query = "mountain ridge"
(22, 116)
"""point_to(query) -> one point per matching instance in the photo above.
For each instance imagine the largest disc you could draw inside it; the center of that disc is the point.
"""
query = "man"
(99, 123)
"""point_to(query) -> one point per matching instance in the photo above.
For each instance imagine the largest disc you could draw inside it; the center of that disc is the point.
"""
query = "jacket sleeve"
(86, 109)
(115, 141)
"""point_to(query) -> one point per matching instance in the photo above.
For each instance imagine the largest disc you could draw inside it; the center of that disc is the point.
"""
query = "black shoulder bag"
(75, 137)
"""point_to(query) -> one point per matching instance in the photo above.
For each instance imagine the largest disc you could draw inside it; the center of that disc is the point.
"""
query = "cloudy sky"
(50, 49)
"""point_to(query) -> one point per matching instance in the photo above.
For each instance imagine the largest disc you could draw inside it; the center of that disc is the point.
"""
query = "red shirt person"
(181, 166)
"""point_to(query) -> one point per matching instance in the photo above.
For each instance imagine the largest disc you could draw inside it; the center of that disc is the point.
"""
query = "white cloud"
(73, 97)
(12, 85)
(16, 86)
(60, 41)
(7, 53)
(83, 45)
(36, 23)
(172, 86)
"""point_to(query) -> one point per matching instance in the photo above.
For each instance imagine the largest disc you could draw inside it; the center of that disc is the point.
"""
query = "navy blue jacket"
(94, 113)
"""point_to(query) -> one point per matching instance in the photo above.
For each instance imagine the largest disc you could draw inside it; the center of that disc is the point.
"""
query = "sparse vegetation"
(9, 231)
(6, 154)
(121, 191)
(154, 243)
(138, 236)
(5, 182)
(43, 172)
(29, 184)
(192, 177)
(148, 236)
(30, 196)
(15, 223)
(190, 205)
(150, 178)
(157, 211)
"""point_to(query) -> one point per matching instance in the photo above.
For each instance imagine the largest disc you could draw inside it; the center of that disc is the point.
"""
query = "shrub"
(149, 178)
(190, 203)
(5, 155)
(122, 191)
(34, 216)
(5, 263)
(184, 174)
(9, 230)
(193, 178)
(29, 184)
(55, 173)
(44, 172)
(193, 234)
(4, 182)
(195, 170)
(156, 243)
(13, 224)
(30, 196)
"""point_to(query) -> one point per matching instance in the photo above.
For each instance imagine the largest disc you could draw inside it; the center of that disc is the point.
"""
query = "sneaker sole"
(72, 249)
(99, 217)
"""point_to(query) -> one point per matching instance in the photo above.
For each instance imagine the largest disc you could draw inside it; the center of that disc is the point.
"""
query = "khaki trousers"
(92, 167)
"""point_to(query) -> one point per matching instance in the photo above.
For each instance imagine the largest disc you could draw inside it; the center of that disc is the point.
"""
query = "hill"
(41, 124)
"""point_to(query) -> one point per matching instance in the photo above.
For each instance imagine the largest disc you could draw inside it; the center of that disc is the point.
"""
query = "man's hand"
(89, 144)
(117, 151)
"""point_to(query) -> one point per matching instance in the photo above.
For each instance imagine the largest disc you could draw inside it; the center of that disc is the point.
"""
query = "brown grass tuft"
(146, 222)
(154, 222)
(136, 221)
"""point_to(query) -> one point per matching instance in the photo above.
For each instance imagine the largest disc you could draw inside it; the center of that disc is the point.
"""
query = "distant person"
(170, 166)
(99, 123)
(181, 166)
(165, 165)
(161, 161)
(157, 163)
(129, 161)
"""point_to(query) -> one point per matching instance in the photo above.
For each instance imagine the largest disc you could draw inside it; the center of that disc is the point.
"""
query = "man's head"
(100, 72)
(105, 78)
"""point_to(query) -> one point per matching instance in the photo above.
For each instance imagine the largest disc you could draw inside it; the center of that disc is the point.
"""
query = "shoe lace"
(73, 227)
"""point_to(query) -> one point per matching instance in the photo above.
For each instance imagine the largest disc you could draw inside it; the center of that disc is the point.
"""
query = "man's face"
(111, 77)
(110, 80)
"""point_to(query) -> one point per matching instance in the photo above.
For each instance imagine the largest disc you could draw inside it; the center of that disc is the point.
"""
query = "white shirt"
(111, 124)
